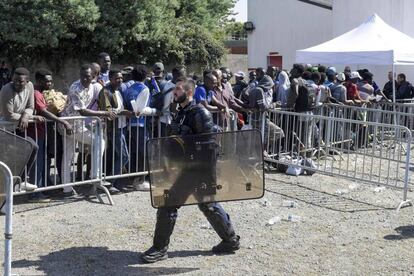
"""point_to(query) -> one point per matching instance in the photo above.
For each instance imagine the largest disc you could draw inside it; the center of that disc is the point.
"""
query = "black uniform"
(192, 119)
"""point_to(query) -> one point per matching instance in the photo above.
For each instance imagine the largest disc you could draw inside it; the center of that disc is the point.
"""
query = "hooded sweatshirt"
(260, 98)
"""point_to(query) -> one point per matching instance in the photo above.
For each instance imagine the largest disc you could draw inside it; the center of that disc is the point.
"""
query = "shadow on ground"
(403, 232)
(100, 261)
(334, 202)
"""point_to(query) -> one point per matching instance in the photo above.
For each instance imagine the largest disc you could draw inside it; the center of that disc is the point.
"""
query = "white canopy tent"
(373, 42)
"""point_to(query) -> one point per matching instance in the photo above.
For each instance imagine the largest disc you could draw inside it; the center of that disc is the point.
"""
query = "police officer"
(191, 119)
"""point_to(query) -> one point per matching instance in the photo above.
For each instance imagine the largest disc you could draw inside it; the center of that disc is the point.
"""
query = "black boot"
(153, 255)
(227, 246)
(166, 218)
(220, 221)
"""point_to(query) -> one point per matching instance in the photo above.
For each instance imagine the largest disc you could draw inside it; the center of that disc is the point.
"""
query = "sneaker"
(112, 190)
(69, 192)
(106, 183)
(26, 186)
(153, 255)
(227, 246)
(144, 186)
(39, 198)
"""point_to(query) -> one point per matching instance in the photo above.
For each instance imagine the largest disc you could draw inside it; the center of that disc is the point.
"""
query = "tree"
(35, 28)
(235, 30)
(174, 31)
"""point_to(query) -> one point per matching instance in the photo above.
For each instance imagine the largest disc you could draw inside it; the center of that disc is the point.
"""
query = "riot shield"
(16, 152)
(212, 167)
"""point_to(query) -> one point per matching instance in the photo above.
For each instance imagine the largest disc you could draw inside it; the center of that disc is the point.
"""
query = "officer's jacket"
(192, 119)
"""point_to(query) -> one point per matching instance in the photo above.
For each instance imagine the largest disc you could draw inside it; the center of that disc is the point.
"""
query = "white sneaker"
(106, 183)
(67, 190)
(144, 186)
(26, 186)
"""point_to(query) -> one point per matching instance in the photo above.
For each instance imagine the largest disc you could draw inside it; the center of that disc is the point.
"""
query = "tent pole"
(393, 82)
(393, 92)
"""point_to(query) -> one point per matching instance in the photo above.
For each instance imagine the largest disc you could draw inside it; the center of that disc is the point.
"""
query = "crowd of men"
(126, 98)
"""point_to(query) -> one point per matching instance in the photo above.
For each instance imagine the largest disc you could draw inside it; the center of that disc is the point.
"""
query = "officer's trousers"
(215, 214)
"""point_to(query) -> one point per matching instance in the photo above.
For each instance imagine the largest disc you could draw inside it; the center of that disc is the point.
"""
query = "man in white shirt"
(82, 97)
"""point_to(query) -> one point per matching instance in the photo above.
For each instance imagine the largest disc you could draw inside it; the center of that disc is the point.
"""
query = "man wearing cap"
(157, 81)
(240, 84)
(366, 90)
(338, 90)
(352, 89)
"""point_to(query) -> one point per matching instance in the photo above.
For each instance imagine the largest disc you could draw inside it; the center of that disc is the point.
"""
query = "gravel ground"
(345, 228)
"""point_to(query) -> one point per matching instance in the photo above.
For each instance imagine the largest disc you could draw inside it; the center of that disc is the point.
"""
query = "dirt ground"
(342, 228)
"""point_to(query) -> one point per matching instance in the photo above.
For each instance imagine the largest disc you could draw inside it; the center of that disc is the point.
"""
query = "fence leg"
(405, 201)
(9, 218)
(96, 168)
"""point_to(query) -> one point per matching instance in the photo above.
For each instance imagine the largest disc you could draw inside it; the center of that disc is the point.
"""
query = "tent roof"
(373, 42)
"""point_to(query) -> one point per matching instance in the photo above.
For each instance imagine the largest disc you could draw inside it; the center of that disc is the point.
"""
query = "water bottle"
(293, 218)
(264, 202)
(289, 203)
(273, 220)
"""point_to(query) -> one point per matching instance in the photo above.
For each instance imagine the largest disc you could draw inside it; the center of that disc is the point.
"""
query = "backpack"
(267, 97)
(55, 100)
(306, 100)
(157, 99)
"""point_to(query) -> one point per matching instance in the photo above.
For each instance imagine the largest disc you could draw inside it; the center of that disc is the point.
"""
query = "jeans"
(117, 152)
(37, 172)
(54, 150)
(138, 138)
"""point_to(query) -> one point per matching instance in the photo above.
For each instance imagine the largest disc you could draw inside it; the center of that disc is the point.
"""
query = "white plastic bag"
(294, 169)
(247, 127)
(311, 166)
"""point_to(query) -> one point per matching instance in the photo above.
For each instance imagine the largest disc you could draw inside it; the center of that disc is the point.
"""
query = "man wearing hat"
(352, 89)
(157, 82)
(240, 84)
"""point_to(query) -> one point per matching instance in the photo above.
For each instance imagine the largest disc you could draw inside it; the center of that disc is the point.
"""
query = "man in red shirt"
(352, 88)
(38, 174)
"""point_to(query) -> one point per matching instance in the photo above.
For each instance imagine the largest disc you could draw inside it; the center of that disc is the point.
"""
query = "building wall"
(285, 26)
(236, 62)
(348, 14)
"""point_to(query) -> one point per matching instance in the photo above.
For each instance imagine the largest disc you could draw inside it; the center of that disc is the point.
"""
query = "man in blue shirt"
(136, 99)
(204, 93)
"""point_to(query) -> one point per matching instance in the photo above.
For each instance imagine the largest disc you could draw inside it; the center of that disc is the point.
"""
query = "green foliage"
(236, 30)
(132, 31)
(32, 27)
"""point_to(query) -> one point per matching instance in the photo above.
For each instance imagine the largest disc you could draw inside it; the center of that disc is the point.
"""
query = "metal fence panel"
(358, 150)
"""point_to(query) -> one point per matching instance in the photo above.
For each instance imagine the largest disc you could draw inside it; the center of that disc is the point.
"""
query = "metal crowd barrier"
(377, 115)
(92, 153)
(131, 141)
(6, 179)
(57, 154)
(402, 115)
(369, 151)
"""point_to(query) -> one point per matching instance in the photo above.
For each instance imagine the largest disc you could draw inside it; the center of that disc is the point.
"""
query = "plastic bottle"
(289, 203)
(264, 202)
(293, 218)
(273, 220)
